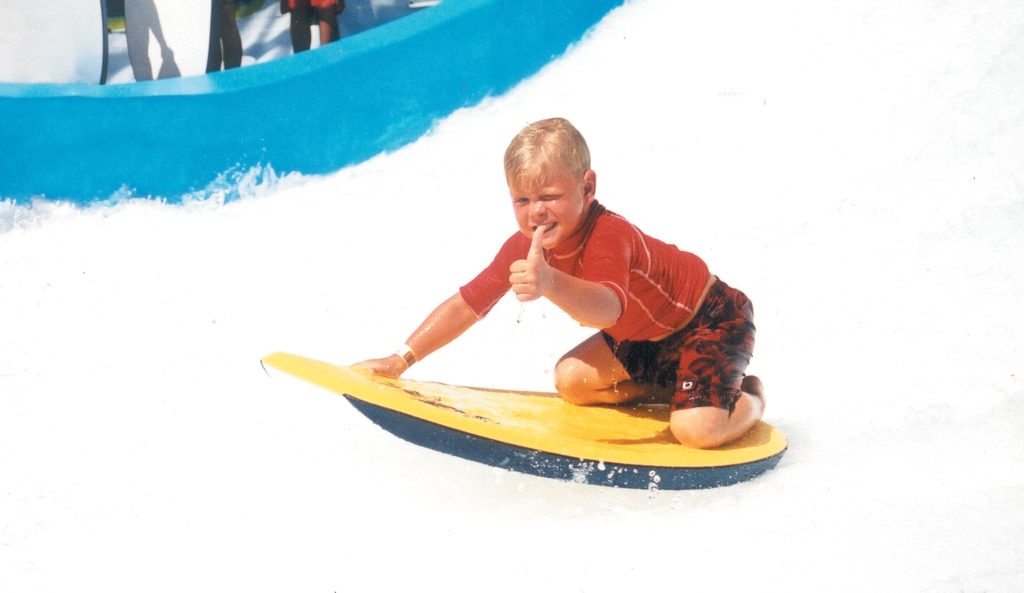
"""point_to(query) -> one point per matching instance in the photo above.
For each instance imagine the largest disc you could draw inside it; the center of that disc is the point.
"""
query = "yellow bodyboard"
(613, 445)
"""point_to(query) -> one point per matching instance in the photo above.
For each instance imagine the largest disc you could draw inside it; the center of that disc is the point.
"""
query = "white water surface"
(855, 168)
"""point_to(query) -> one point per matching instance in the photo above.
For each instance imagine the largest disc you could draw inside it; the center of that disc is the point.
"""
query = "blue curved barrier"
(313, 113)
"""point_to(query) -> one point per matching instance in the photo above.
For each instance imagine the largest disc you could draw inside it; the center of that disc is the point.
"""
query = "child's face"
(558, 199)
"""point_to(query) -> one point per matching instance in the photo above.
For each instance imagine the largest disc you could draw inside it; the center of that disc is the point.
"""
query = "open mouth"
(549, 226)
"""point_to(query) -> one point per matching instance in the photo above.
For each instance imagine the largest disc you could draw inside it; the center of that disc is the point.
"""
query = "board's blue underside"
(550, 465)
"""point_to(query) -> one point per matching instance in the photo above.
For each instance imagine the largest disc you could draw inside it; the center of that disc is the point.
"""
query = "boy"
(670, 331)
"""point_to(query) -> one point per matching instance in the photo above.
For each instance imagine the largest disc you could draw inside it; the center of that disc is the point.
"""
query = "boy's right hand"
(531, 277)
(393, 366)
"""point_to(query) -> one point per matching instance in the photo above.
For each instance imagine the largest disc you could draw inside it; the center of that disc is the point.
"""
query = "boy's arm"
(447, 322)
(591, 304)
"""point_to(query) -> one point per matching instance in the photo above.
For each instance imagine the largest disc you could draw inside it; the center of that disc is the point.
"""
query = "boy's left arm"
(591, 304)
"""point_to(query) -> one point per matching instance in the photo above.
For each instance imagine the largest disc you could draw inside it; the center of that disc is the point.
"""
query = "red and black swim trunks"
(702, 364)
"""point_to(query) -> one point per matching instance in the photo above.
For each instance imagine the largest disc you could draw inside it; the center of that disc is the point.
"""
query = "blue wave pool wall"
(314, 112)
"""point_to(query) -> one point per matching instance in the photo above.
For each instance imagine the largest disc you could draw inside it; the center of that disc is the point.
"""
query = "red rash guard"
(659, 285)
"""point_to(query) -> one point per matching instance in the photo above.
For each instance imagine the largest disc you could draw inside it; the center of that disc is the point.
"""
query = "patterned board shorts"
(702, 364)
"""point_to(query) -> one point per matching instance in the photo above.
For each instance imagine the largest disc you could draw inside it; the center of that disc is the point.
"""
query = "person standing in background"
(230, 38)
(302, 11)
(227, 41)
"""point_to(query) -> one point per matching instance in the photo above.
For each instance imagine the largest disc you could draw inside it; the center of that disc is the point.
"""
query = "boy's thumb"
(536, 249)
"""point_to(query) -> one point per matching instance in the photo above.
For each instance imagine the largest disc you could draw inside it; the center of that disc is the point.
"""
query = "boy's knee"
(702, 428)
(571, 381)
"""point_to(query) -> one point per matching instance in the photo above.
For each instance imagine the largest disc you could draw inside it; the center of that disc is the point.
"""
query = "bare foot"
(752, 385)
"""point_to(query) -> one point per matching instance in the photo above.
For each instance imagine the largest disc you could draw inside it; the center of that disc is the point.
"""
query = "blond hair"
(540, 146)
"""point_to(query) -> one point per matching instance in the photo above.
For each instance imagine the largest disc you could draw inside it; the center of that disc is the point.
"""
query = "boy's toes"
(752, 385)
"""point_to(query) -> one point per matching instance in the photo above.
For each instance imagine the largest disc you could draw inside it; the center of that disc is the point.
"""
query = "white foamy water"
(855, 169)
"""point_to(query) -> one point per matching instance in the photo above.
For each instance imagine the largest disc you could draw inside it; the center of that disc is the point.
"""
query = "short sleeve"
(487, 288)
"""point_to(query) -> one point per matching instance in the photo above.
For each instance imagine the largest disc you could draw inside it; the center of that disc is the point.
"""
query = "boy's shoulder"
(612, 222)
(515, 247)
(609, 217)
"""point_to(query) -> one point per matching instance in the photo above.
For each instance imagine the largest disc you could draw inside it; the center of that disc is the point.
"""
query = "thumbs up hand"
(532, 277)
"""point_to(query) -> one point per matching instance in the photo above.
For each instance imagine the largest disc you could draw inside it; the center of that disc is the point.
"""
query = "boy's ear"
(589, 184)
